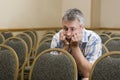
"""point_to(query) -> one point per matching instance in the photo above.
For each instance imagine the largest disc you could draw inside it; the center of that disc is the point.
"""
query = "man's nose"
(69, 32)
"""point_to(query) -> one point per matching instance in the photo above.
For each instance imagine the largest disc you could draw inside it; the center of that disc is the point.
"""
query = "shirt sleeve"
(53, 42)
(56, 43)
(93, 50)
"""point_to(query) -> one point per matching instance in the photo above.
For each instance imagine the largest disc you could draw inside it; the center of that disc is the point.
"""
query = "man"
(84, 45)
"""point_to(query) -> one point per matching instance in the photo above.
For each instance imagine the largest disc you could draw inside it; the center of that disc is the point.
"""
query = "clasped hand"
(72, 40)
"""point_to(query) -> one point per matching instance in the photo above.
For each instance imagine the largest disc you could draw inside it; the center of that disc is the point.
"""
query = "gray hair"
(73, 14)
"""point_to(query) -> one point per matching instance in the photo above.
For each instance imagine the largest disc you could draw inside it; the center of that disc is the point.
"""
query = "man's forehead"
(69, 26)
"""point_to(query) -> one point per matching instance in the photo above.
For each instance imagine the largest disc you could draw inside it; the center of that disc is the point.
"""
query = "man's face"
(71, 27)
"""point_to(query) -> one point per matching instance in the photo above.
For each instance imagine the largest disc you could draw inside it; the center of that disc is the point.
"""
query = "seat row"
(26, 46)
(51, 64)
(107, 66)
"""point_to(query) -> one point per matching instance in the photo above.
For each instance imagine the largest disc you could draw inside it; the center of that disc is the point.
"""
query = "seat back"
(115, 35)
(107, 32)
(53, 64)
(104, 49)
(2, 39)
(47, 36)
(20, 48)
(8, 63)
(107, 67)
(49, 32)
(7, 34)
(104, 37)
(36, 36)
(27, 39)
(33, 37)
(113, 44)
(43, 46)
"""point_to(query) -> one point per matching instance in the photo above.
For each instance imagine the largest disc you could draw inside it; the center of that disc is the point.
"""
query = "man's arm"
(93, 51)
(84, 66)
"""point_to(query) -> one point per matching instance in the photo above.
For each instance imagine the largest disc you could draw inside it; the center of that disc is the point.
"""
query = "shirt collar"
(84, 36)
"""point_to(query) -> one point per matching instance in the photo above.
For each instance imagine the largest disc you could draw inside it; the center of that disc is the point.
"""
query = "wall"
(48, 13)
(110, 13)
(30, 13)
(95, 13)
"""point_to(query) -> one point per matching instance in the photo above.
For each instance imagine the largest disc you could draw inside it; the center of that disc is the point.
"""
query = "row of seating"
(42, 45)
(26, 46)
(107, 35)
(46, 66)
(107, 66)
(9, 63)
(110, 41)
(33, 48)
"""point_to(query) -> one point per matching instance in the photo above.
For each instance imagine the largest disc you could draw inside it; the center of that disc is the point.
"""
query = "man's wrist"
(67, 43)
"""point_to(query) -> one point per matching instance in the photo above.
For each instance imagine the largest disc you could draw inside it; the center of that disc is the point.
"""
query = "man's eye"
(65, 29)
(73, 29)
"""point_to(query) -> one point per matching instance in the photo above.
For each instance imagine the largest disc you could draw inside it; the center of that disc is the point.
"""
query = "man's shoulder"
(92, 35)
(56, 35)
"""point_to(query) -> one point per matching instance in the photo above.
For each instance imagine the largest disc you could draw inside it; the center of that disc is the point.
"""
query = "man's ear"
(82, 26)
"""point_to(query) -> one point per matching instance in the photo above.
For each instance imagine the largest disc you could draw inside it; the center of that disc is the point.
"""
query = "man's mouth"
(68, 39)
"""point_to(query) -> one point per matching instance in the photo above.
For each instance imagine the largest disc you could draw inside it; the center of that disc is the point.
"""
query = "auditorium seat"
(53, 64)
(107, 67)
(9, 64)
